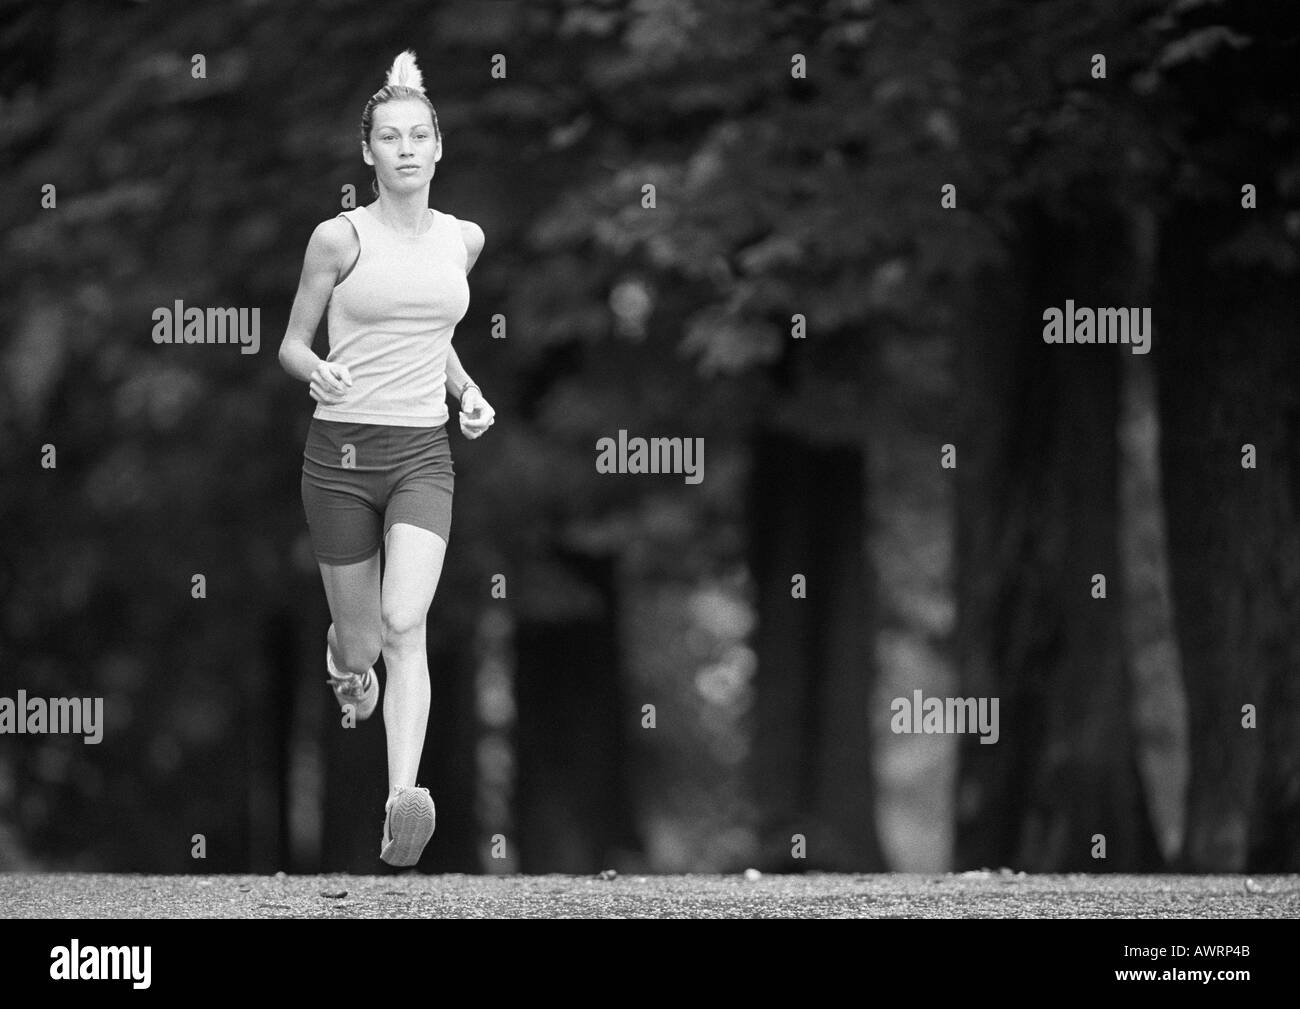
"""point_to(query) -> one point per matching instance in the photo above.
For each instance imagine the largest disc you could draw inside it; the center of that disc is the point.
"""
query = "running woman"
(377, 467)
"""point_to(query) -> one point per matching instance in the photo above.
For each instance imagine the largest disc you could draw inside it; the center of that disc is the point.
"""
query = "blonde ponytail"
(405, 73)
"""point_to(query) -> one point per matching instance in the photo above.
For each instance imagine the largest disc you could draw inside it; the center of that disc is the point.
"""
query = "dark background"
(775, 196)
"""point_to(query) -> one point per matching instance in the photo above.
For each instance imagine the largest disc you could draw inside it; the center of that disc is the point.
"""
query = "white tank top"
(391, 321)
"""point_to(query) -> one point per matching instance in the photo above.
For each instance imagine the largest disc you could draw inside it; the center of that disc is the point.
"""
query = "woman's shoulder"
(335, 234)
(469, 231)
(333, 244)
(338, 225)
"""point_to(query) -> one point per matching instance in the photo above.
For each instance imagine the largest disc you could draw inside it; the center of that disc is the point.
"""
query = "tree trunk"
(812, 746)
(1227, 361)
(573, 809)
(268, 720)
(1037, 519)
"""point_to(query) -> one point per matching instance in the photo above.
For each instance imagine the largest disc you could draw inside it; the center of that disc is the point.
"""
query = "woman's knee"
(403, 627)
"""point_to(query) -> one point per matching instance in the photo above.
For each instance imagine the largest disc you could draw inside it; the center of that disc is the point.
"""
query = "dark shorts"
(359, 479)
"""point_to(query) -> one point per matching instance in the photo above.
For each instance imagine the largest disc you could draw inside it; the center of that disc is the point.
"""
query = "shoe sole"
(410, 825)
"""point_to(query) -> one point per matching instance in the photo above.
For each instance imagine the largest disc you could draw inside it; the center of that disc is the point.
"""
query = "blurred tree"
(1066, 155)
(813, 762)
(1037, 491)
(1228, 367)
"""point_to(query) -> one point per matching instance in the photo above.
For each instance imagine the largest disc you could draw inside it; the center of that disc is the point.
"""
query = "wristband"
(468, 385)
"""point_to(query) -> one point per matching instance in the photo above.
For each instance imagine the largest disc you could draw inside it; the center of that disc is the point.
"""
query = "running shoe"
(408, 825)
(361, 691)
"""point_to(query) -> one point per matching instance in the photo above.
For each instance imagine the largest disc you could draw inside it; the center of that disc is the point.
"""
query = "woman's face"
(403, 146)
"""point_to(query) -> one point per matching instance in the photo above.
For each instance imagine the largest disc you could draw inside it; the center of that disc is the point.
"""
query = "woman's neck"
(407, 213)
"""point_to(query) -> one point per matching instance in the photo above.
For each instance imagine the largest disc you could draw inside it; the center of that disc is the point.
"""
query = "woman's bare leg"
(356, 637)
(411, 573)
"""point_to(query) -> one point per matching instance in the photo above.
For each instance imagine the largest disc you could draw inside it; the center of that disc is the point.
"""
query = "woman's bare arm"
(457, 376)
(320, 269)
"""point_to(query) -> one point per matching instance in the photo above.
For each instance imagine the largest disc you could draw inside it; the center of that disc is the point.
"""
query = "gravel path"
(815, 895)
